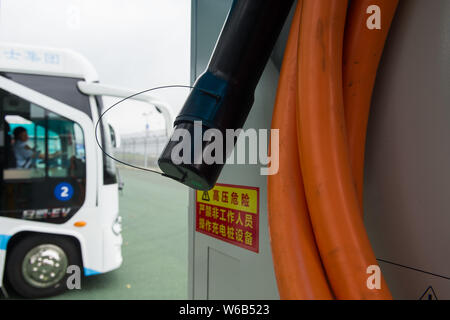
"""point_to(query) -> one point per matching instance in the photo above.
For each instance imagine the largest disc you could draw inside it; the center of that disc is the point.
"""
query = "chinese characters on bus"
(230, 213)
(30, 58)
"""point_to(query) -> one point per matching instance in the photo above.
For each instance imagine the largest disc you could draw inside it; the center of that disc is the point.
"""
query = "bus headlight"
(117, 226)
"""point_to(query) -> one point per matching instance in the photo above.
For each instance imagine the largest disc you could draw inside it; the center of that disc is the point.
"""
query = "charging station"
(406, 178)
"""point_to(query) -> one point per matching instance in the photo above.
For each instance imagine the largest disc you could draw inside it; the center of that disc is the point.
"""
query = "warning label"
(429, 294)
(229, 213)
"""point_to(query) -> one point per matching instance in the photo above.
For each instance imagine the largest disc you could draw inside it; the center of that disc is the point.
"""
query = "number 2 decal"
(63, 191)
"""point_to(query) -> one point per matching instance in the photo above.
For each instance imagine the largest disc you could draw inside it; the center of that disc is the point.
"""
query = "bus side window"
(24, 139)
(66, 141)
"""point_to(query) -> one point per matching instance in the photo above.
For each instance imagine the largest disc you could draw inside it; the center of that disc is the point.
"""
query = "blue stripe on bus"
(90, 272)
(4, 241)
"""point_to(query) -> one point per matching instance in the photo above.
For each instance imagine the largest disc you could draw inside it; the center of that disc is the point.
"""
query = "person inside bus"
(25, 154)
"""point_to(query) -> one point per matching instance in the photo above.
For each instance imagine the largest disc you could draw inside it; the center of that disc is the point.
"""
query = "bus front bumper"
(112, 246)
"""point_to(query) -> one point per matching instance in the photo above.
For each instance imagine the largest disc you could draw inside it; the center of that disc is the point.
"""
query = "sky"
(136, 44)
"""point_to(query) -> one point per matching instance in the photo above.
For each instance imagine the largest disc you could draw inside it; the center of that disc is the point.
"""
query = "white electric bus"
(59, 191)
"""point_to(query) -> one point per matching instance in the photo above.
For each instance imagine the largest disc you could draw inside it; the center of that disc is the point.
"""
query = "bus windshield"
(41, 141)
(40, 151)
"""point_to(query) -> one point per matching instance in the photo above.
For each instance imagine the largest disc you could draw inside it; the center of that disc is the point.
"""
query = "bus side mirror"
(114, 138)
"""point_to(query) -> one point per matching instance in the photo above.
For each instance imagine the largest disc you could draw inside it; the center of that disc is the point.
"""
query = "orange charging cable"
(297, 264)
(332, 200)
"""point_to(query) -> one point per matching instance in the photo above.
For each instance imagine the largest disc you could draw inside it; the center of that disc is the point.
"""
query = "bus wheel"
(36, 266)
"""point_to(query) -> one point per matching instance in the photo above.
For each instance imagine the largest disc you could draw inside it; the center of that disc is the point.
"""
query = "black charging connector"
(226, 89)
